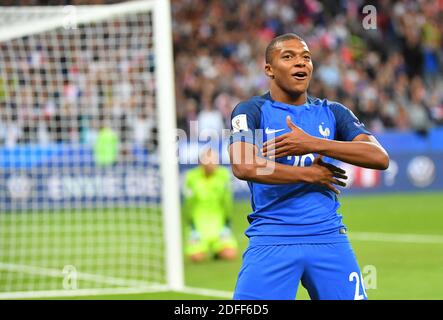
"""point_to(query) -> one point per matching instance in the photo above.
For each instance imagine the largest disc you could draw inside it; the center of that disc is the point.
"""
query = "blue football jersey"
(298, 212)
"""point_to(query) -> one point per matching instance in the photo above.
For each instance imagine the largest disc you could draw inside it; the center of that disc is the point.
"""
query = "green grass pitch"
(401, 235)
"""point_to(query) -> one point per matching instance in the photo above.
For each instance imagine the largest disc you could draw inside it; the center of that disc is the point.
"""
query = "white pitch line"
(396, 237)
(143, 287)
(40, 294)
(115, 291)
(132, 286)
(56, 273)
(207, 292)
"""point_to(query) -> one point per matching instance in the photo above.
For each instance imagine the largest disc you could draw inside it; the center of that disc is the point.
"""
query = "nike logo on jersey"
(271, 131)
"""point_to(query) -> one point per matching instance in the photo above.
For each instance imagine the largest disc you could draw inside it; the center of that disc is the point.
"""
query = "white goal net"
(81, 134)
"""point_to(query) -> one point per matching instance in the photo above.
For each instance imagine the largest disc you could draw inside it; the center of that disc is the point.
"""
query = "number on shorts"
(352, 276)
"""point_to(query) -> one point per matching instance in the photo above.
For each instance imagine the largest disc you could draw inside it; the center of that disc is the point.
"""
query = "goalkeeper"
(207, 209)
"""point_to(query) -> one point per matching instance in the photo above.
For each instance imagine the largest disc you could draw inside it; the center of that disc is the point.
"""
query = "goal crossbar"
(60, 16)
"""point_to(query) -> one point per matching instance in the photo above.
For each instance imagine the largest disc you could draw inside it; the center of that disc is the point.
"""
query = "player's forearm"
(269, 172)
(247, 165)
(359, 153)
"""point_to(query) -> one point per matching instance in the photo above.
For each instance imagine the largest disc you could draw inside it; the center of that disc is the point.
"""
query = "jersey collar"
(285, 106)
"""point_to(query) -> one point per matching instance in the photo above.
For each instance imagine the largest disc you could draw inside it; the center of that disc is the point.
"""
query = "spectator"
(419, 117)
(210, 120)
(106, 146)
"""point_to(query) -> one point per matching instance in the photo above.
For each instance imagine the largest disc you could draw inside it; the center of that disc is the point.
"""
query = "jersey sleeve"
(245, 119)
(347, 124)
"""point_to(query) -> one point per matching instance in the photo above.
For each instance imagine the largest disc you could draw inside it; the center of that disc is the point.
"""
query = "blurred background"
(390, 77)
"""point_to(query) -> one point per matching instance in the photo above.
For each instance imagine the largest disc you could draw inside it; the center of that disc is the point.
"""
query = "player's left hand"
(294, 143)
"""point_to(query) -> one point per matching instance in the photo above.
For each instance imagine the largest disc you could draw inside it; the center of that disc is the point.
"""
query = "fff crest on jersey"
(325, 132)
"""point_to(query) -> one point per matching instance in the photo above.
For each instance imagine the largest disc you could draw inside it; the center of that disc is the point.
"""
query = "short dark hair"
(284, 37)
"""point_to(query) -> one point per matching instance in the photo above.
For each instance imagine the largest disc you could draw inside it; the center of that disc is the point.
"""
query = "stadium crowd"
(391, 76)
(67, 85)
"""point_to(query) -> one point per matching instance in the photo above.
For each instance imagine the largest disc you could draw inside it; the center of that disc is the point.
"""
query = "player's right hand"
(327, 174)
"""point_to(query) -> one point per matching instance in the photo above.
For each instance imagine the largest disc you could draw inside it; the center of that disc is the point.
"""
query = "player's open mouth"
(301, 75)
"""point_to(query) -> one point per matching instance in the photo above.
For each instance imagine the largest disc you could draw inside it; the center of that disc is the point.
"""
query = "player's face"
(291, 66)
(209, 161)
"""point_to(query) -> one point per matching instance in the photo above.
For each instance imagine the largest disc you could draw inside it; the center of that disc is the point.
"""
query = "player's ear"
(268, 71)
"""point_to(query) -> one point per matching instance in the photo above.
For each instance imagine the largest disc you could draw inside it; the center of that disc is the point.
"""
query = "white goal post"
(70, 223)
